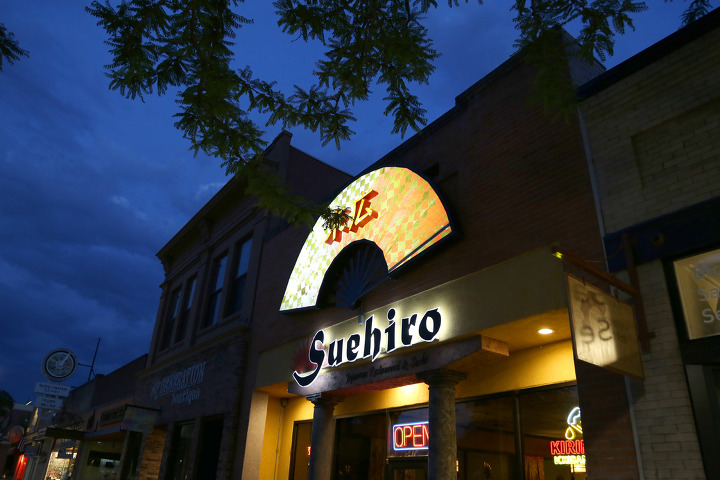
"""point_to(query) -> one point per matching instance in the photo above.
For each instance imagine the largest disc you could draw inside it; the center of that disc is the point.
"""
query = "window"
(213, 312)
(172, 314)
(185, 311)
(177, 468)
(240, 269)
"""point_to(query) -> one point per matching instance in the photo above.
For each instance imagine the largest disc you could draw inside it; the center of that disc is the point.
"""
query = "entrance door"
(406, 469)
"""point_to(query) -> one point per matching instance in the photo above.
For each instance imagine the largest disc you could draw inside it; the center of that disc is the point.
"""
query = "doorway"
(407, 468)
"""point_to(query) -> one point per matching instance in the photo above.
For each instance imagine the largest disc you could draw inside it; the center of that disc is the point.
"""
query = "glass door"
(406, 469)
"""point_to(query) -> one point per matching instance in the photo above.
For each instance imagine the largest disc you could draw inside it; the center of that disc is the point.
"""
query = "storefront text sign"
(604, 331)
(369, 344)
(180, 385)
(411, 436)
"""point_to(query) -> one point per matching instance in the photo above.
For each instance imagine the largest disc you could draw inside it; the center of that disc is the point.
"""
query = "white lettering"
(343, 350)
(191, 376)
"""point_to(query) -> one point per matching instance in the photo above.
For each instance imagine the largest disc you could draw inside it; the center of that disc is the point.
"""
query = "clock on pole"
(59, 364)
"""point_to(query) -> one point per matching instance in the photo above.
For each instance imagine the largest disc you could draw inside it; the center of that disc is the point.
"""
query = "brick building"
(653, 130)
(408, 345)
(198, 351)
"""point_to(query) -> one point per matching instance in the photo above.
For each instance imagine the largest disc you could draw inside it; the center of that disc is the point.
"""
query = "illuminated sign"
(570, 451)
(569, 460)
(567, 447)
(369, 344)
(357, 218)
(392, 207)
(604, 331)
(410, 436)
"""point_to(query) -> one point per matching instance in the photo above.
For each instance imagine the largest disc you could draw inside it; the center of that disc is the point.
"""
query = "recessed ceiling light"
(546, 331)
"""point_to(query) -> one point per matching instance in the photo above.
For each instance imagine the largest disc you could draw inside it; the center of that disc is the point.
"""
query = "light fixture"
(546, 331)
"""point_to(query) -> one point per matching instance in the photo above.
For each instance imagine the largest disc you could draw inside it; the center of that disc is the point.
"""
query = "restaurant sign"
(392, 207)
(325, 351)
(603, 327)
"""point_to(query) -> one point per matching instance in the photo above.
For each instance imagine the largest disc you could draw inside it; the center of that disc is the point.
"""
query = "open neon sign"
(411, 436)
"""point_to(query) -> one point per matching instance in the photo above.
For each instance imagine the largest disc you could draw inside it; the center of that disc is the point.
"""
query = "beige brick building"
(653, 137)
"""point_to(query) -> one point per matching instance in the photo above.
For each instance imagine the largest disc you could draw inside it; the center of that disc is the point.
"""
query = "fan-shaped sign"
(393, 207)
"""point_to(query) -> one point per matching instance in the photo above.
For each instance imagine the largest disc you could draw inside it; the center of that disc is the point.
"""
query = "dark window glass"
(240, 269)
(185, 311)
(172, 314)
(180, 453)
(486, 439)
(553, 444)
(209, 450)
(213, 312)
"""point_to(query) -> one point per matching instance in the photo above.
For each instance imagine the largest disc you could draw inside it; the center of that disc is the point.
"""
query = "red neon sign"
(411, 436)
(567, 447)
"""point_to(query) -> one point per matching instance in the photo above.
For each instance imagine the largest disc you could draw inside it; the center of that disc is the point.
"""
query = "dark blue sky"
(92, 185)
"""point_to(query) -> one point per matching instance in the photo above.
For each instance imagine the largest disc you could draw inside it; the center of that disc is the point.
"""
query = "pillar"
(442, 451)
(323, 436)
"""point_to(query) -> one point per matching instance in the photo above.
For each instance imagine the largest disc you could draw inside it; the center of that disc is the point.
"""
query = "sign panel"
(369, 342)
(49, 403)
(393, 207)
(139, 419)
(698, 279)
(55, 389)
(410, 436)
(604, 332)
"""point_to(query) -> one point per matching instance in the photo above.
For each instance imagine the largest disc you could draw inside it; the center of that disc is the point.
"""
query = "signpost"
(54, 389)
(50, 403)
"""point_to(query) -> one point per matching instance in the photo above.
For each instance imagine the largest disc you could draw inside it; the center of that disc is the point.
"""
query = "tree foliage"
(185, 46)
(10, 50)
(6, 403)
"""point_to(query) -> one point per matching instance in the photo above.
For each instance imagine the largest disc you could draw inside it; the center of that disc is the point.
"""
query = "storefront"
(473, 378)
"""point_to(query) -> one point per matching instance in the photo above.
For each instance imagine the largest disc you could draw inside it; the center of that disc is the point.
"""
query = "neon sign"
(411, 436)
(570, 451)
(411, 330)
(569, 460)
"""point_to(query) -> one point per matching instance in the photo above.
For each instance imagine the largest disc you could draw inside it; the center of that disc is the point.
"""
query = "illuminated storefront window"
(545, 424)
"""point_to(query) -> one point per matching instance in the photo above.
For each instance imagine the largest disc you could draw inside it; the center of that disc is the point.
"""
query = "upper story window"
(216, 288)
(698, 280)
(172, 315)
(239, 276)
(184, 314)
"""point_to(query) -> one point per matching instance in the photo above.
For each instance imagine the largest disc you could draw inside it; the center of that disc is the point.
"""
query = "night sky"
(92, 185)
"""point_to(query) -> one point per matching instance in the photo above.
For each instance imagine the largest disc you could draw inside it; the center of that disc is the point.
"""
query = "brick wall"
(151, 454)
(655, 136)
(665, 423)
(655, 141)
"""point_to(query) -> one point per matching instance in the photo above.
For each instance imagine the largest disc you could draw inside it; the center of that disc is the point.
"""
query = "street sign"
(55, 389)
(50, 403)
